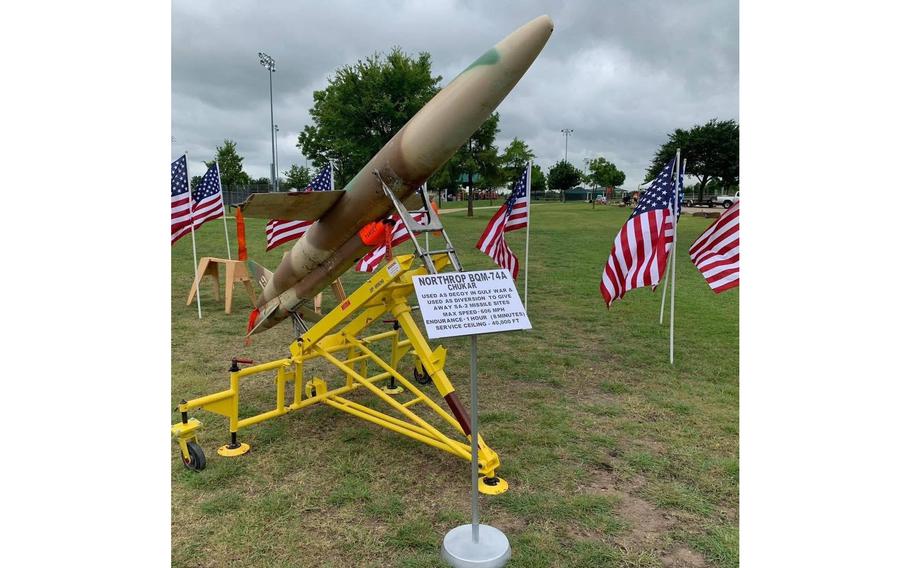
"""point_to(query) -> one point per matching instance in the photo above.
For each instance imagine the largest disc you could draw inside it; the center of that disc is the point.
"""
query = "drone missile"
(333, 243)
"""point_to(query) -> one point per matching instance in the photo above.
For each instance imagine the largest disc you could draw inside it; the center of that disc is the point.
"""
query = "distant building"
(481, 191)
(463, 180)
(584, 193)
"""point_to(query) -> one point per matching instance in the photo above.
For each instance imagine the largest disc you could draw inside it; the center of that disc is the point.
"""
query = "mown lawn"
(614, 457)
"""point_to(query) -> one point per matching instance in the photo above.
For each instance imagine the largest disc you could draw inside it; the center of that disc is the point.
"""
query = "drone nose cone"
(443, 125)
(528, 40)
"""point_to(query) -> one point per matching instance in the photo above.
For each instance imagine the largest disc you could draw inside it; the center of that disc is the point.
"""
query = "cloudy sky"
(622, 74)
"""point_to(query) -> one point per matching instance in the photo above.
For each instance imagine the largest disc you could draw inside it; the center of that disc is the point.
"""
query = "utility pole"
(269, 63)
(567, 131)
(277, 181)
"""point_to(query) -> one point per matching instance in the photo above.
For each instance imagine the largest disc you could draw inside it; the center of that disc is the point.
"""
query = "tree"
(538, 179)
(260, 185)
(515, 159)
(604, 173)
(364, 105)
(563, 176)
(230, 165)
(442, 181)
(478, 156)
(711, 151)
(297, 177)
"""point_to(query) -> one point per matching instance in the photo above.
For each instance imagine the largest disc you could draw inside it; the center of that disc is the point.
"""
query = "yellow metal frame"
(338, 339)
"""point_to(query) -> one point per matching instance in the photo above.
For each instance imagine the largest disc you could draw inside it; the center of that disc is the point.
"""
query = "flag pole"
(673, 268)
(663, 297)
(224, 209)
(425, 191)
(527, 230)
(193, 233)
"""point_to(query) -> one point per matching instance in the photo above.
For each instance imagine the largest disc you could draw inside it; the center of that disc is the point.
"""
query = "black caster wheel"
(422, 378)
(196, 462)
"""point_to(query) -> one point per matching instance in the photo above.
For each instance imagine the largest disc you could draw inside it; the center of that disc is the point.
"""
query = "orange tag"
(373, 234)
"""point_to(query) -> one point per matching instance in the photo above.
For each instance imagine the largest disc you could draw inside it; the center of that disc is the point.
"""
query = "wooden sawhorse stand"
(234, 271)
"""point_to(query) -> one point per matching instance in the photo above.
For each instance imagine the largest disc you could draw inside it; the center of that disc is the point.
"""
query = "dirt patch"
(648, 527)
(510, 524)
(648, 524)
(682, 557)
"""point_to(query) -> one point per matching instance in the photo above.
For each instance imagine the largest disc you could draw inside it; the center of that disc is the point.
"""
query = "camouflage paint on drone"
(331, 246)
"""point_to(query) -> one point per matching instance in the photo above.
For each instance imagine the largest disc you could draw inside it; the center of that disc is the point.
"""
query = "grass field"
(614, 457)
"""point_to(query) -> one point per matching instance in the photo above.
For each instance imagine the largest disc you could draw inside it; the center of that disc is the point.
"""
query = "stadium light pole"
(277, 181)
(567, 131)
(268, 62)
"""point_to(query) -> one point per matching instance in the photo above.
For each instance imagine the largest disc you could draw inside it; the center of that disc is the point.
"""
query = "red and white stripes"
(278, 232)
(493, 242)
(639, 254)
(180, 215)
(716, 252)
(208, 209)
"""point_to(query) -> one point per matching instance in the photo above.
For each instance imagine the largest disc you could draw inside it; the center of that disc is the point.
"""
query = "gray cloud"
(621, 74)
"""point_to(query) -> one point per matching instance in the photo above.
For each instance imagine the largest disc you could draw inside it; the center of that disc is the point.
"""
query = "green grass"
(613, 456)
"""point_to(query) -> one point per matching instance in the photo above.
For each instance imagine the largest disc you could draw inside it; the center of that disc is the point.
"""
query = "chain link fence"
(238, 194)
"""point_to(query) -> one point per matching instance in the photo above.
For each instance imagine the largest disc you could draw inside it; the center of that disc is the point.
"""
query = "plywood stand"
(234, 271)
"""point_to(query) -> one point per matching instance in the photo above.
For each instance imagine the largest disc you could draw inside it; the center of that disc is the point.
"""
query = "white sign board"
(469, 303)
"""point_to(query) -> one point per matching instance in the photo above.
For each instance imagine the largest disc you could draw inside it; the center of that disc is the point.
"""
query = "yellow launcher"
(338, 339)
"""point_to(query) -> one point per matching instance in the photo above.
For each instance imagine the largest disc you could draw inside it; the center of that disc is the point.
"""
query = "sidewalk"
(444, 211)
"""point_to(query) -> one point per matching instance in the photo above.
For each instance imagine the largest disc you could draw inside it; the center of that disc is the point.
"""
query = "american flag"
(680, 196)
(180, 200)
(511, 216)
(399, 235)
(208, 204)
(716, 252)
(640, 250)
(278, 232)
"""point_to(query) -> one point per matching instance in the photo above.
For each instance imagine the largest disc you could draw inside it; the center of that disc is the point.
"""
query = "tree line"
(711, 153)
(366, 103)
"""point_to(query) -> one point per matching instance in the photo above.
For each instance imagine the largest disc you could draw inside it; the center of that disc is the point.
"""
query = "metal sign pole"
(475, 492)
(673, 257)
(470, 546)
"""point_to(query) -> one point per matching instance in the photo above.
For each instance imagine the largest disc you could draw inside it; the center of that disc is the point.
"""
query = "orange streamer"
(241, 235)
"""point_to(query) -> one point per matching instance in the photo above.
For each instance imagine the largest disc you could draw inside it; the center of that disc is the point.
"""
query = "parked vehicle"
(694, 201)
(727, 201)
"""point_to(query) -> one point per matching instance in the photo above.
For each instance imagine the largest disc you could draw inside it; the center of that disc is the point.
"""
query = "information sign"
(469, 303)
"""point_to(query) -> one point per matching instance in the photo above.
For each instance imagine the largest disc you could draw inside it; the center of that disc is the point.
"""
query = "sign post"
(456, 304)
